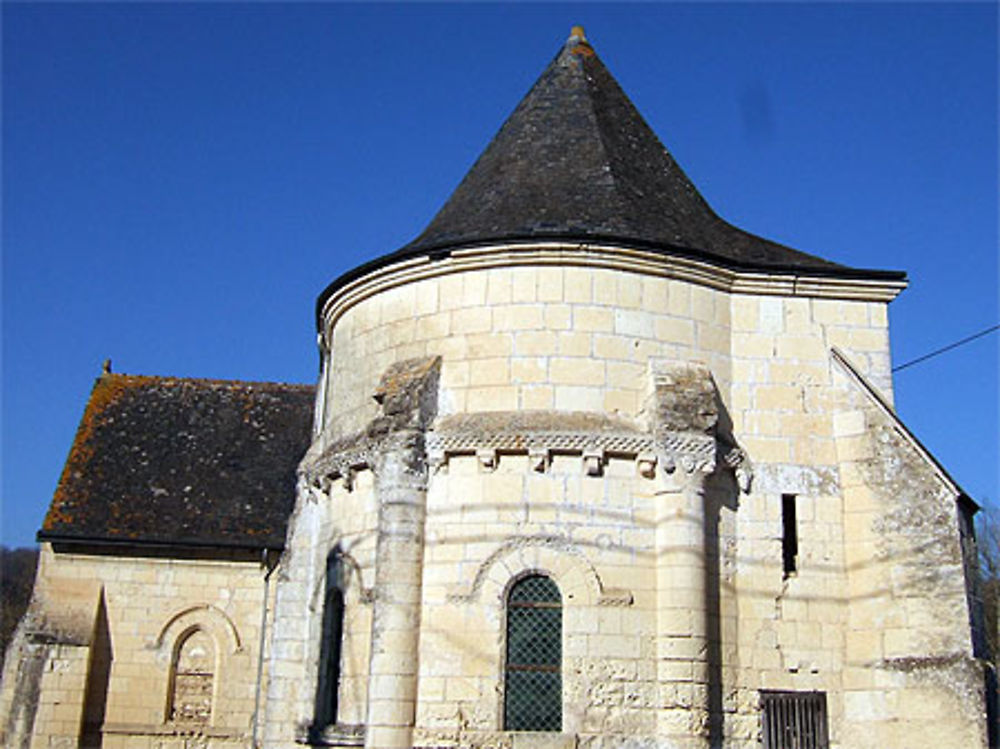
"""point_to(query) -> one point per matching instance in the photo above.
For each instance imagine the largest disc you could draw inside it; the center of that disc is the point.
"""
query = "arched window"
(328, 683)
(533, 684)
(192, 679)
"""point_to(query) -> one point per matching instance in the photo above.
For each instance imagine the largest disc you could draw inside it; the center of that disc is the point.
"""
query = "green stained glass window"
(533, 689)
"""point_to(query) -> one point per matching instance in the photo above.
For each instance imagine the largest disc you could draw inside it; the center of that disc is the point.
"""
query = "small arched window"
(533, 678)
(193, 679)
(328, 681)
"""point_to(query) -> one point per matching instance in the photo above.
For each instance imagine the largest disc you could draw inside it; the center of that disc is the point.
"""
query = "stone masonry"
(589, 468)
(598, 426)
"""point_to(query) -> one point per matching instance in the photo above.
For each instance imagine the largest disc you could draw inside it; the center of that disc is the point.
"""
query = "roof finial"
(106, 367)
(577, 35)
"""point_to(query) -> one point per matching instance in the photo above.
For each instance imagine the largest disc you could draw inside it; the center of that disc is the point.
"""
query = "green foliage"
(17, 577)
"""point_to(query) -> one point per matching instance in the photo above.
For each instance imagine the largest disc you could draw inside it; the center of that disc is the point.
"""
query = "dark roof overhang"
(152, 544)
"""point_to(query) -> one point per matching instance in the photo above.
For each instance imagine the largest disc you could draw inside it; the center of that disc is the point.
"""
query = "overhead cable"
(949, 347)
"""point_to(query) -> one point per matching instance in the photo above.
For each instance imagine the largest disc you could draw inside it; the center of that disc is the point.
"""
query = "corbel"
(593, 461)
(646, 461)
(739, 461)
(538, 459)
(313, 489)
(669, 462)
(744, 478)
(437, 459)
(487, 457)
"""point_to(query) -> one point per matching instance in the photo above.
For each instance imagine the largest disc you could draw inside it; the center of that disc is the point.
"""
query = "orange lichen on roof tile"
(107, 389)
(176, 460)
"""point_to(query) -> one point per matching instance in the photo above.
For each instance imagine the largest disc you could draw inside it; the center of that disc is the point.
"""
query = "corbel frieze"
(340, 462)
(689, 452)
(594, 447)
(668, 451)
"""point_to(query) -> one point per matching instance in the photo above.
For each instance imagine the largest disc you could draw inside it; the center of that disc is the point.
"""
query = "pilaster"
(682, 616)
(408, 397)
(684, 414)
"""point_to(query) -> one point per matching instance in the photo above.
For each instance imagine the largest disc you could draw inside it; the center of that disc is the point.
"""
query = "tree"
(988, 548)
(17, 578)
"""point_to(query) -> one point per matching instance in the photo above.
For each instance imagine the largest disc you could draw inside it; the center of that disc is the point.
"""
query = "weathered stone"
(727, 508)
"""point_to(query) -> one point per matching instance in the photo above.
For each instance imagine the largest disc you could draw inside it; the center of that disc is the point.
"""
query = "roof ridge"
(203, 380)
(616, 165)
(602, 136)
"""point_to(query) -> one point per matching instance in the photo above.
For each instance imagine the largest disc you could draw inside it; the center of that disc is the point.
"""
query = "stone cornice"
(690, 452)
(596, 255)
(593, 437)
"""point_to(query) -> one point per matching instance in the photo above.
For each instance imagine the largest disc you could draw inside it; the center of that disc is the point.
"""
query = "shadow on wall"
(328, 683)
(95, 698)
(720, 492)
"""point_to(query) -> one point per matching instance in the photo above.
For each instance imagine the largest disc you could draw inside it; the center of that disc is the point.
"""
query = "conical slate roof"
(576, 161)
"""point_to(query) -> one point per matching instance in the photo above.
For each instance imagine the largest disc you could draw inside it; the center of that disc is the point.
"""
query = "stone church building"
(586, 466)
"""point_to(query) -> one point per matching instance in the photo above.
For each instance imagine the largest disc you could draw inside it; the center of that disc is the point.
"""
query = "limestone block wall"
(789, 628)
(107, 629)
(581, 338)
(44, 676)
(44, 689)
(625, 550)
(357, 543)
(549, 336)
(342, 520)
(783, 394)
(534, 337)
(595, 537)
(910, 678)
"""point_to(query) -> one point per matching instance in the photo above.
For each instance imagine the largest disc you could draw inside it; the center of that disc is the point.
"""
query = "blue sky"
(180, 181)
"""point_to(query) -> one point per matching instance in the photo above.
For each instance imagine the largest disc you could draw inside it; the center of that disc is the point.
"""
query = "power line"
(949, 347)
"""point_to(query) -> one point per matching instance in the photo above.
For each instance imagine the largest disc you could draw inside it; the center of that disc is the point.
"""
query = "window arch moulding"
(210, 618)
(555, 557)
